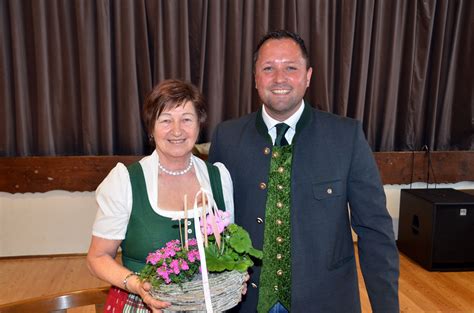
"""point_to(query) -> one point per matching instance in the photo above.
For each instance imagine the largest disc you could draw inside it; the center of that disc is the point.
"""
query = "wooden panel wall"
(84, 173)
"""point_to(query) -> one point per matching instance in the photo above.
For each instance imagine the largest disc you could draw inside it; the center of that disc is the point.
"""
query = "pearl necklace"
(176, 173)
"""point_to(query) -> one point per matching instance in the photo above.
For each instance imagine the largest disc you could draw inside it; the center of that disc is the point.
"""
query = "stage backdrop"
(73, 74)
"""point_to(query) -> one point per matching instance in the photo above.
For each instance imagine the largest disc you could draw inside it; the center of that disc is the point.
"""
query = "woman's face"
(176, 131)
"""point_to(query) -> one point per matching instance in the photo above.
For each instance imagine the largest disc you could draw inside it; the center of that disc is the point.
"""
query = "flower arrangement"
(172, 264)
(228, 247)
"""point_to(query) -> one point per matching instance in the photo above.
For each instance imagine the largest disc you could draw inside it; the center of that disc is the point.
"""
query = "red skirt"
(118, 301)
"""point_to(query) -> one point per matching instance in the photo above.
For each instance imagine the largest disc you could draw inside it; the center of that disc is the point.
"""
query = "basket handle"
(202, 254)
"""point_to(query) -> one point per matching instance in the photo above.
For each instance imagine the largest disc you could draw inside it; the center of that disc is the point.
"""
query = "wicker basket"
(225, 287)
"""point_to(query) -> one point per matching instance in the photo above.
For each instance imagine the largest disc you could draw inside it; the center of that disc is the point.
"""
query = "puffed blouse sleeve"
(227, 188)
(114, 201)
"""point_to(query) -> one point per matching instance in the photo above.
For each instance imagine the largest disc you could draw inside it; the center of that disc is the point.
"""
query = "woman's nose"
(176, 128)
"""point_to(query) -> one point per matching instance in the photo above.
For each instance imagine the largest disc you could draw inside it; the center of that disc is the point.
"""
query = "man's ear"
(308, 76)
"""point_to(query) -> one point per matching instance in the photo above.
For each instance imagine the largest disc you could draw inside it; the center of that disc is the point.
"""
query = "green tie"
(280, 140)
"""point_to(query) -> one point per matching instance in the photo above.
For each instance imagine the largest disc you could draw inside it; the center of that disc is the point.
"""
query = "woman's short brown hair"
(169, 94)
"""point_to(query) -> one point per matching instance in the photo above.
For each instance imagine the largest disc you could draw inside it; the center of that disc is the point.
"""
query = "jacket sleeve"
(378, 254)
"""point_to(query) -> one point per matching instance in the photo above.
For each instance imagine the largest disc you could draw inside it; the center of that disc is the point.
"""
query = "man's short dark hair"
(282, 34)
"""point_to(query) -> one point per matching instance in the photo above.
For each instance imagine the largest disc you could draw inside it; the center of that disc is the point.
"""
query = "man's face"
(281, 77)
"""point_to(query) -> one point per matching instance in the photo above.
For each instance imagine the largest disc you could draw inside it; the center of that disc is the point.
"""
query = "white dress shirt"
(291, 121)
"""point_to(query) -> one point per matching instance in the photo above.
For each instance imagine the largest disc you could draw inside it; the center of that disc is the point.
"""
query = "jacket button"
(275, 154)
(266, 151)
(259, 220)
(329, 191)
(279, 272)
(254, 285)
(279, 204)
(281, 169)
(263, 186)
(279, 222)
(279, 239)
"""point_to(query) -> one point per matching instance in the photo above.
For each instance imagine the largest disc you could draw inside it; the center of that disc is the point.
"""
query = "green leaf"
(243, 265)
(234, 255)
(256, 253)
(219, 264)
(240, 239)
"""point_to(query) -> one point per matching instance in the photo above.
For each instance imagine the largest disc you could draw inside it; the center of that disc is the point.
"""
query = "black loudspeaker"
(436, 228)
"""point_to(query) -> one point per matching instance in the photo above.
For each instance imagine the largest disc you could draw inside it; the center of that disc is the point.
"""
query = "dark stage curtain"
(73, 74)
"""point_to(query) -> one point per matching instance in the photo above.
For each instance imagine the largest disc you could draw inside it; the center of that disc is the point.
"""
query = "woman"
(139, 204)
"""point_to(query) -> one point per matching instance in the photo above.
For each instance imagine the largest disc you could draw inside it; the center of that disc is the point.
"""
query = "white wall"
(59, 222)
(54, 222)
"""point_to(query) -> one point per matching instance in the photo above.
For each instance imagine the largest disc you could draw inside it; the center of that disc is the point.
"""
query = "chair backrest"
(59, 302)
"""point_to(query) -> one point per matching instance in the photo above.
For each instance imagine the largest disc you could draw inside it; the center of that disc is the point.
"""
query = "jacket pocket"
(327, 189)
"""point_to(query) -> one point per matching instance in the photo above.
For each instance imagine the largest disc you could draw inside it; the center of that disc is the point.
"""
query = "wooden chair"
(59, 302)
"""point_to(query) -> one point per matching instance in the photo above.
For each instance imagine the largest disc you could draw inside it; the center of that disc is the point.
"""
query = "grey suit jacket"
(332, 167)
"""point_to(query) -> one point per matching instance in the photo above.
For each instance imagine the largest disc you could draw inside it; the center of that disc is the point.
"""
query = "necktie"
(281, 131)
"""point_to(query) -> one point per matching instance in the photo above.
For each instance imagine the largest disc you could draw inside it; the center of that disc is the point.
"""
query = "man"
(292, 187)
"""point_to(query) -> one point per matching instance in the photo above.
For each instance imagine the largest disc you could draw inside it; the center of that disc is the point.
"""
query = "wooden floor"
(420, 290)
(23, 278)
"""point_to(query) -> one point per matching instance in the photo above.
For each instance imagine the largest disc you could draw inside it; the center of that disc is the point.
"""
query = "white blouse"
(114, 195)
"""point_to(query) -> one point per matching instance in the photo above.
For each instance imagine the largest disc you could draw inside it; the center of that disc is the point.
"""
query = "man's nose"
(280, 76)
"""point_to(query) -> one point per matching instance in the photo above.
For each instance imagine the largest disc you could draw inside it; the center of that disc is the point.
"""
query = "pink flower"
(154, 258)
(173, 243)
(193, 255)
(163, 272)
(207, 229)
(222, 221)
(171, 260)
(169, 252)
(175, 266)
(184, 265)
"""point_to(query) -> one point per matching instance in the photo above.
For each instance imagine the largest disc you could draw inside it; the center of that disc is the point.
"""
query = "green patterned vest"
(148, 231)
(275, 278)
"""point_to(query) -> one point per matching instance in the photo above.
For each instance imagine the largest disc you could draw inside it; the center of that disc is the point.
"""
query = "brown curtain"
(73, 74)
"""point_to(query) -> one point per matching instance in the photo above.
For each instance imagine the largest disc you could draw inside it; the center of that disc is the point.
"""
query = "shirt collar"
(270, 122)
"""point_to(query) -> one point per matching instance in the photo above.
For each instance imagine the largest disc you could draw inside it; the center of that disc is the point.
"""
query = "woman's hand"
(153, 304)
(102, 263)
(244, 284)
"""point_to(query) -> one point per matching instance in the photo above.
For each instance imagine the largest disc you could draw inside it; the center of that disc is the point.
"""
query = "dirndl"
(118, 301)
